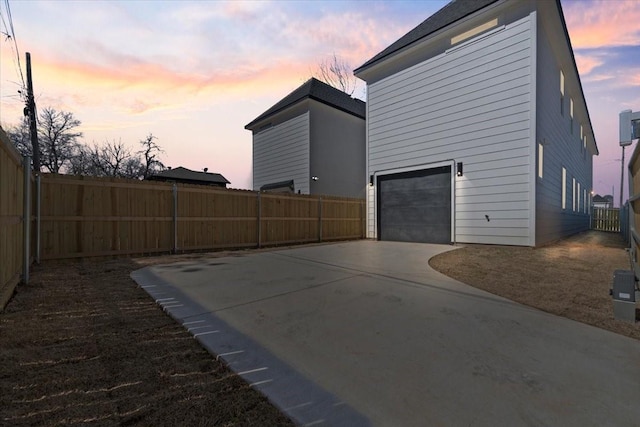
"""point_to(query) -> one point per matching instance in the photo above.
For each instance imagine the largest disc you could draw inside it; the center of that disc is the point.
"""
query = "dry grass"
(82, 344)
(571, 278)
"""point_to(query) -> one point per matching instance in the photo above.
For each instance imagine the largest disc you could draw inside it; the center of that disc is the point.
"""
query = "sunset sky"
(194, 73)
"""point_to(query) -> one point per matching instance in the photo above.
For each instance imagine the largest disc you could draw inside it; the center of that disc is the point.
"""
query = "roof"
(278, 185)
(452, 12)
(600, 199)
(181, 173)
(321, 92)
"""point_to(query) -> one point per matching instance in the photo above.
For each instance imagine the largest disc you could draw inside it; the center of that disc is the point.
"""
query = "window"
(571, 113)
(581, 134)
(561, 93)
(540, 159)
(474, 31)
(584, 142)
(564, 188)
(584, 201)
(573, 193)
(578, 196)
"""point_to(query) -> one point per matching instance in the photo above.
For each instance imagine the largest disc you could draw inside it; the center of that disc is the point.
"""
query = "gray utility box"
(624, 295)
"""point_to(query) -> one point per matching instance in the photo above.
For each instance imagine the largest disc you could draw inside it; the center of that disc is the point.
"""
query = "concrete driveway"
(366, 333)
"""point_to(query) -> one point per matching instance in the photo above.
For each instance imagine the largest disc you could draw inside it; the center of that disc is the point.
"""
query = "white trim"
(369, 173)
(533, 55)
(451, 163)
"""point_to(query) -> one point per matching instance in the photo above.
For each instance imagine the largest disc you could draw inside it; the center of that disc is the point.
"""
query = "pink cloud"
(587, 63)
(137, 86)
(600, 23)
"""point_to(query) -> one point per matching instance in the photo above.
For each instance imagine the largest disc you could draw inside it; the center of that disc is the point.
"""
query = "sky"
(195, 73)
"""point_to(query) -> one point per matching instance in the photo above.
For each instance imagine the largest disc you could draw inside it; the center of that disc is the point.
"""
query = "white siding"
(471, 105)
(281, 153)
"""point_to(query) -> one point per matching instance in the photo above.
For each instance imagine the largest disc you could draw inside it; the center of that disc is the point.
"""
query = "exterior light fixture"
(370, 180)
(459, 169)
(314, 178)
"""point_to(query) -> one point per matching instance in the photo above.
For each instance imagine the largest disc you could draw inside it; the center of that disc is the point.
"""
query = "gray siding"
(281, 153)
(472, 104)
(561, 149)
(337, 152)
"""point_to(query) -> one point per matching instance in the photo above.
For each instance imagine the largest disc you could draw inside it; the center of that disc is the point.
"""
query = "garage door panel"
(415, 206)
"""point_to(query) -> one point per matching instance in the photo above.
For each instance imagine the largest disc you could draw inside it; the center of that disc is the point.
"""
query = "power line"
(10, 33)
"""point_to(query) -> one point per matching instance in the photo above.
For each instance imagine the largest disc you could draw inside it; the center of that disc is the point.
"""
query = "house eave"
(368, 68)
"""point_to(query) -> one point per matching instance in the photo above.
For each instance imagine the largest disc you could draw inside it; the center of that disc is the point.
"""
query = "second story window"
(561, 93)
(571, 113)
(474, 31)
(540, 160)
(564, 188)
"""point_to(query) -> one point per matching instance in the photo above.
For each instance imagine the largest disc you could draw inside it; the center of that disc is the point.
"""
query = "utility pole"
(31, 110)
(622, 176)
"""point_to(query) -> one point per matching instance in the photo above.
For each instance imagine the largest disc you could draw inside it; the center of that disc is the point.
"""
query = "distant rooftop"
(188, 175)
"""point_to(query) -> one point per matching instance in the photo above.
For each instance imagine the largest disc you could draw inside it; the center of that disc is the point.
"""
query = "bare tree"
(63, 153)
(337, 72)
(81, 163)
(150, 152)
(109, 159)
(20, 137)
(58, 138)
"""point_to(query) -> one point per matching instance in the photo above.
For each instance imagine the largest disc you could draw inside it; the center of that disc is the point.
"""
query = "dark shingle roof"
(185, 174)
(321, 92)
(452, 12)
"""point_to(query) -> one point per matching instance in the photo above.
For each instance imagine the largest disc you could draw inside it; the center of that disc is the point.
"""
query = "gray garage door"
(415, 206)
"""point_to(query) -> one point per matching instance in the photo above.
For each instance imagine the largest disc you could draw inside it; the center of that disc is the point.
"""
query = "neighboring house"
(311, 142)
(187, 176)
(605, 202)
(478, 130)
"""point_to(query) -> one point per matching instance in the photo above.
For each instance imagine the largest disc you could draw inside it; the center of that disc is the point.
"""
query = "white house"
(311, 142)
(478, 130)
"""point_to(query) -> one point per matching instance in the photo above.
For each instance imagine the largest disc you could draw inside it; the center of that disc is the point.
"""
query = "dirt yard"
(571, 278)
(82, 344)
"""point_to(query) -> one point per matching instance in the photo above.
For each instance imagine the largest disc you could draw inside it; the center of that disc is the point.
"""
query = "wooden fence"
(88, 216)
(605, 219)
(633, 209)
(12, 256)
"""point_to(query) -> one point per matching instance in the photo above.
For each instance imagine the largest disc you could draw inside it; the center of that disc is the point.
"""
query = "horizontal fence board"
(105, 218)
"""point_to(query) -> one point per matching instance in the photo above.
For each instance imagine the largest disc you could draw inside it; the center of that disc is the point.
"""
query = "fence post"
(175, 218)
(38, 214)
(362, 222)
(259, 221)
(319, 218)
(26, 217)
